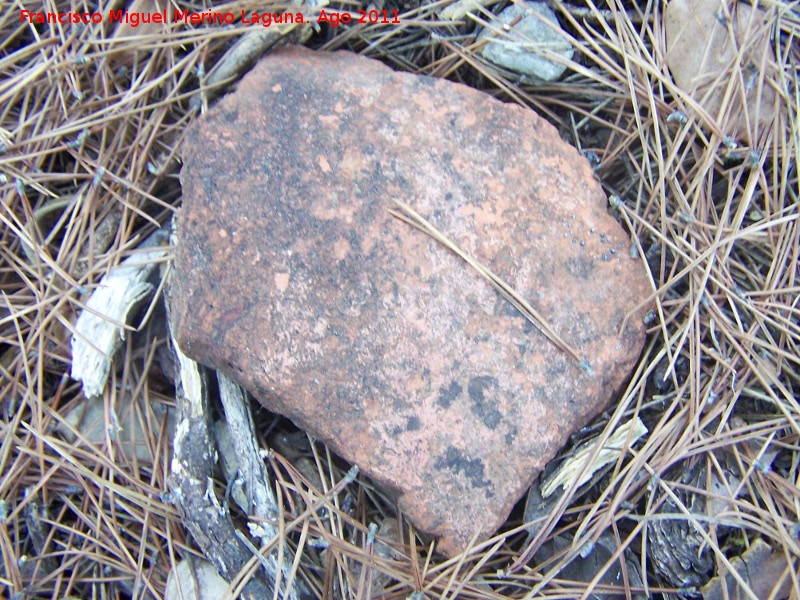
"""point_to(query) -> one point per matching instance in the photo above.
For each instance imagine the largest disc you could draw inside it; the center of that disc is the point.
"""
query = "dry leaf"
(195, 579)
(127, 50)
(712, 45)
(125, 425)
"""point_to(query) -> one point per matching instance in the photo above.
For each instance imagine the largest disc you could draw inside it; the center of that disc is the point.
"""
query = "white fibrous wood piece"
(99, 330)
(191, 381)
(624, 437)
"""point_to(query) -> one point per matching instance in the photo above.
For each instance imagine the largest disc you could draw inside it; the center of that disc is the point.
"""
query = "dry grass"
(90, 132)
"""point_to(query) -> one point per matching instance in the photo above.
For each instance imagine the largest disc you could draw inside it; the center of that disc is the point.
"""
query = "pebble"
(523, 49)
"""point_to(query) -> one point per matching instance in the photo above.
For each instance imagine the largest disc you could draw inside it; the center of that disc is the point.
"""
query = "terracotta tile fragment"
(291, 277)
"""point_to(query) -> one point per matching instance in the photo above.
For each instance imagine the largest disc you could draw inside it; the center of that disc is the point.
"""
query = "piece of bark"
(761, 568)
(615, 581)
(259, 495)
(192, 487)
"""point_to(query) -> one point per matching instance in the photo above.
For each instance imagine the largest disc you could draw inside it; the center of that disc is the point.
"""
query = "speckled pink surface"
(291, 277)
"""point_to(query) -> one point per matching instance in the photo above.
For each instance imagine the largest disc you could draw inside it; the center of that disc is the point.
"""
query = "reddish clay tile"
(291, 277)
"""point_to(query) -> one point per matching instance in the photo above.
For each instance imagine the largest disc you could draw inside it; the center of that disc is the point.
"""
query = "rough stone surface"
(291, 278)
(534, 34)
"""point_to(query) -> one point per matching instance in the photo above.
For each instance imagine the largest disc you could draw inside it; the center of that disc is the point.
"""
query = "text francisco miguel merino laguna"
(198, 18)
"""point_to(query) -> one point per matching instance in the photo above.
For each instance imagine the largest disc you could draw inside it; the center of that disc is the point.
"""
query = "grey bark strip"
(192, 486)
(251, 466)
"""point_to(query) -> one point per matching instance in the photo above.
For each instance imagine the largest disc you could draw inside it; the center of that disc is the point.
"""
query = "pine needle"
(413, 218)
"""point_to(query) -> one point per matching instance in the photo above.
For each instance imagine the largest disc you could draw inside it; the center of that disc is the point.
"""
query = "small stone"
(524, 49)
(293, 279)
